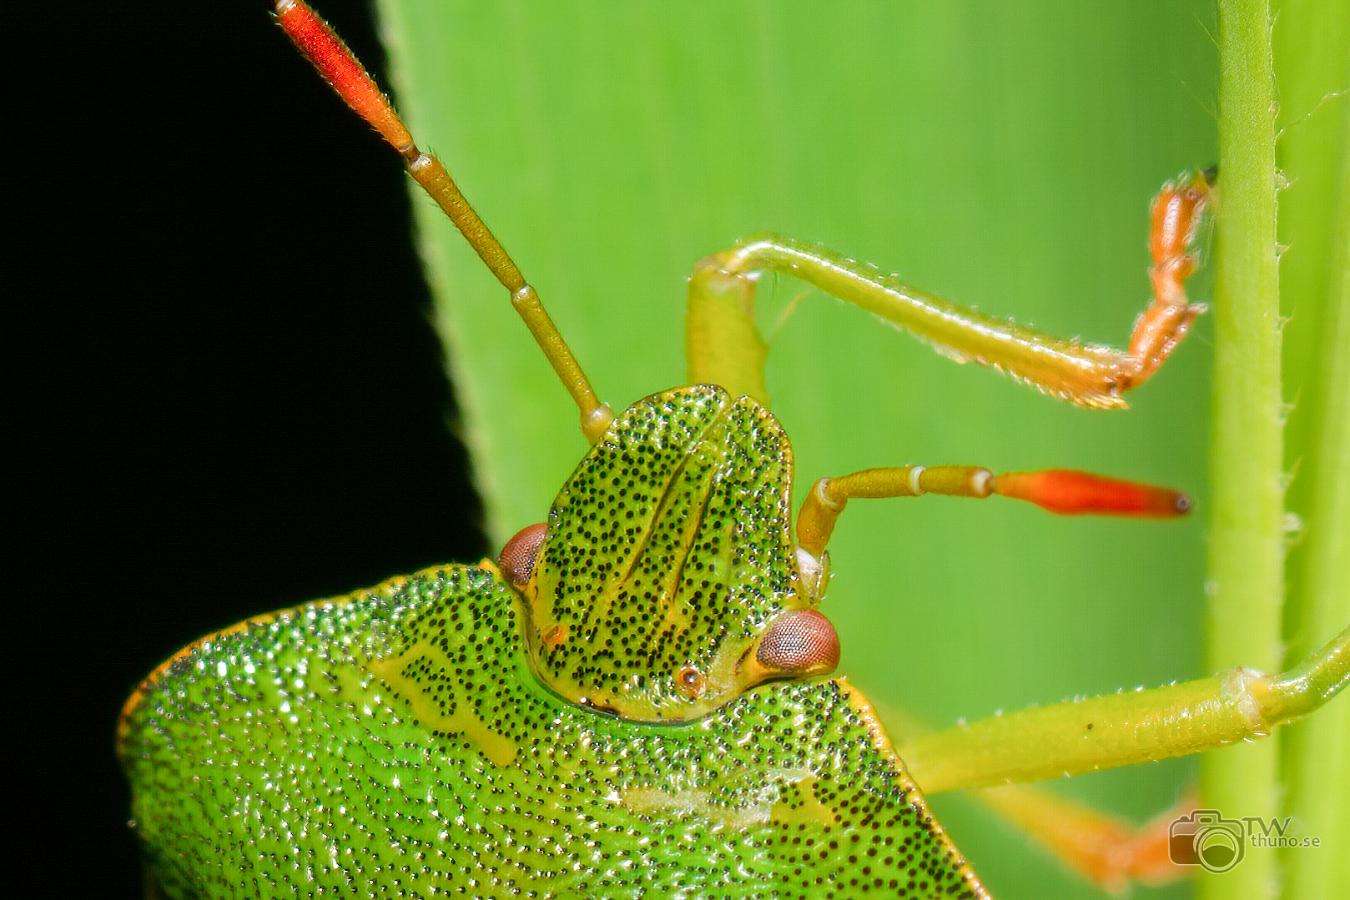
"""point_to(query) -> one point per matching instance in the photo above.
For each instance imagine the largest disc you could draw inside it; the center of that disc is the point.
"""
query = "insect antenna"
(1063, 491)
(340, 67)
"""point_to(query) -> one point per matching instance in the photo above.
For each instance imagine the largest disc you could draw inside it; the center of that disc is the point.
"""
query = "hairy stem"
(1246, 553)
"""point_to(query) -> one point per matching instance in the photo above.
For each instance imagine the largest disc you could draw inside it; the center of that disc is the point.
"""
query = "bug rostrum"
(635, 697)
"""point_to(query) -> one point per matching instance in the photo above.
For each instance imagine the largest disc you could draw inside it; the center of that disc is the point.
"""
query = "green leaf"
(1002, 155)
(1312, 66)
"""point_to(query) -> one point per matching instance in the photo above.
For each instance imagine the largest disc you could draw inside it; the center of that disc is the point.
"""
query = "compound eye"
(518, 556)
(800, 643)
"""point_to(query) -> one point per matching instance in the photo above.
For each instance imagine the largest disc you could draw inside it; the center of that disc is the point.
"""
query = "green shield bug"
(635, 697)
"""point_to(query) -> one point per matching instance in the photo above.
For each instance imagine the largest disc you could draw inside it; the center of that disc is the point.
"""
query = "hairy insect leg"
(1064, 491)
(326, 51)
(1127, 727)
(724, 348)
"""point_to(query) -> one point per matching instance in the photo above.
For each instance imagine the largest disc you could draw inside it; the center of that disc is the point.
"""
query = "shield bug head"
(668, 583)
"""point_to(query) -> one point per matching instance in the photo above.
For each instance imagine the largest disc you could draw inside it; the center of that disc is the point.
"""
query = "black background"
(232, 401)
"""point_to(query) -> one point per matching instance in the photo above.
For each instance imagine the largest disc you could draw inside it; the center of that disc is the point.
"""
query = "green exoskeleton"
(636, 696)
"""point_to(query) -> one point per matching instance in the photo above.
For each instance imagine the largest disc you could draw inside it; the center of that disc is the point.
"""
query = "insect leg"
(1125, 728)
(1087, 374)
(326, 51)
(1109, 851)
(722, 343)
(1058, 490)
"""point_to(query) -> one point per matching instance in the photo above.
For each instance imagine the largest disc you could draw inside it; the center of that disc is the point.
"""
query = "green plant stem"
(1246, 552)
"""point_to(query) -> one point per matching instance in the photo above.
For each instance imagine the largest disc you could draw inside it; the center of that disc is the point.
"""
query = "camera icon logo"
(1206, 839)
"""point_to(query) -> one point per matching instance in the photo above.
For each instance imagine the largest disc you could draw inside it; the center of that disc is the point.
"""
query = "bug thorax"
(666, 583)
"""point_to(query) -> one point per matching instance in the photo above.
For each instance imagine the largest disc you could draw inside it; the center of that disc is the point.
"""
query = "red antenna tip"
(326, 51)
(1070, 492)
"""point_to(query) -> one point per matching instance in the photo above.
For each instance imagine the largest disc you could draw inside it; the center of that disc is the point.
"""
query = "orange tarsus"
(1175, 215)
(1175, 218)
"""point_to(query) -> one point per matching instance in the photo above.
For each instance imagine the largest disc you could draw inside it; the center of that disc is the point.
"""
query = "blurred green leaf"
(1312, 67)
(1000, 154)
